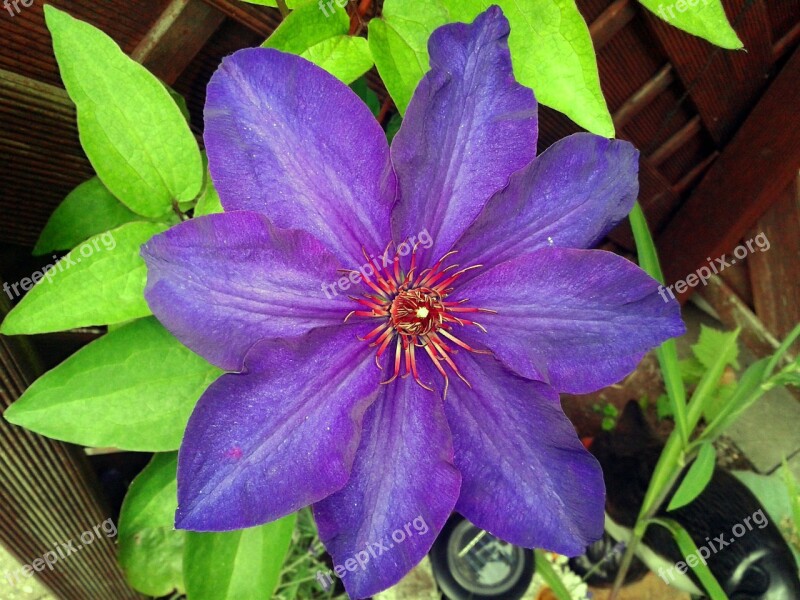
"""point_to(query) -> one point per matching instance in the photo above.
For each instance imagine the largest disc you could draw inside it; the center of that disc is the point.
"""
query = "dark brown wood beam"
(775, 273)
(610, 21)
(644, 96)
(676, 141)
(685, 182)
(747, 178)
(180, 33)
(786, 43)
(261, 19)
(733, 313)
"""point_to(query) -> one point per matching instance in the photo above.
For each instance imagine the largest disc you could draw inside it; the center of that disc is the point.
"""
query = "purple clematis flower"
(336, 253)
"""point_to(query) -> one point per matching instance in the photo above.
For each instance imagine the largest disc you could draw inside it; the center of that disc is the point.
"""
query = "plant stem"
(665, 475)
(283, 8)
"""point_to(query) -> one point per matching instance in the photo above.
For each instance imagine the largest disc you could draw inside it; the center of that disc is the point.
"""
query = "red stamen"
(414, 314)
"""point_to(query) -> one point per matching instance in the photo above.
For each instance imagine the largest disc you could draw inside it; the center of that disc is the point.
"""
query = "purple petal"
(278, 437)
(577, 319)
(526, 478)
(289, 140)
(569, 197)
(468, 127)
(222, 282)
(402, 489)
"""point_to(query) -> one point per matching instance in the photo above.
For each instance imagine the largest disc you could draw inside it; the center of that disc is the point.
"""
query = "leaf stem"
(283, 8)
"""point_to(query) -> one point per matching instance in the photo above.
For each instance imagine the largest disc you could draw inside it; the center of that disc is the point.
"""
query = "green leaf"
(718, 400)
(87, 210)
(793, 490)
(363, 91)
(180, 102)
(664, 407)
(696, 478)
(703, 18)
(709, 384)
(689, 549)
(133, 388)
(237, 564)
(399, 44)
(667, 353)
(99, 282)
(131, 129)
(345, 57)
(552, 52)
(711, 343)
(748, 391)
(692, 370)
(150, 548)
(208, 202)
(393, 126)
(273, 4)
(307, 26)
(321, 37)
(545, 570)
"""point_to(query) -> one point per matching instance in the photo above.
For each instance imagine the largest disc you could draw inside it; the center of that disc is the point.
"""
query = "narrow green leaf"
(703, 18)
(548, 574)
(321, 36)
(399, 45)
(131, 130)
(150, 548)
(87, 210)
(793, 490)
(237, 564)
(552, 53)
(709, 383)
(696, 478)
(667, 353)
(692, 558)
(133, 388)
(782, 350)
(748, 391)
(99, 282)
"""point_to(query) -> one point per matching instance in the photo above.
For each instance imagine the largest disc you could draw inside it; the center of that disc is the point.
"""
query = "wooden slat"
(742, 184)
(775, 274)
(176, 38)
(643, 96)
(260, 19)
(733, 312)
(723, 84)
(676, 141)
(610, 21)
(49, 497)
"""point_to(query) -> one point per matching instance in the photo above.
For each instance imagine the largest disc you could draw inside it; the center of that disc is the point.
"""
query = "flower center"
(417, 312)
(414, 313)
